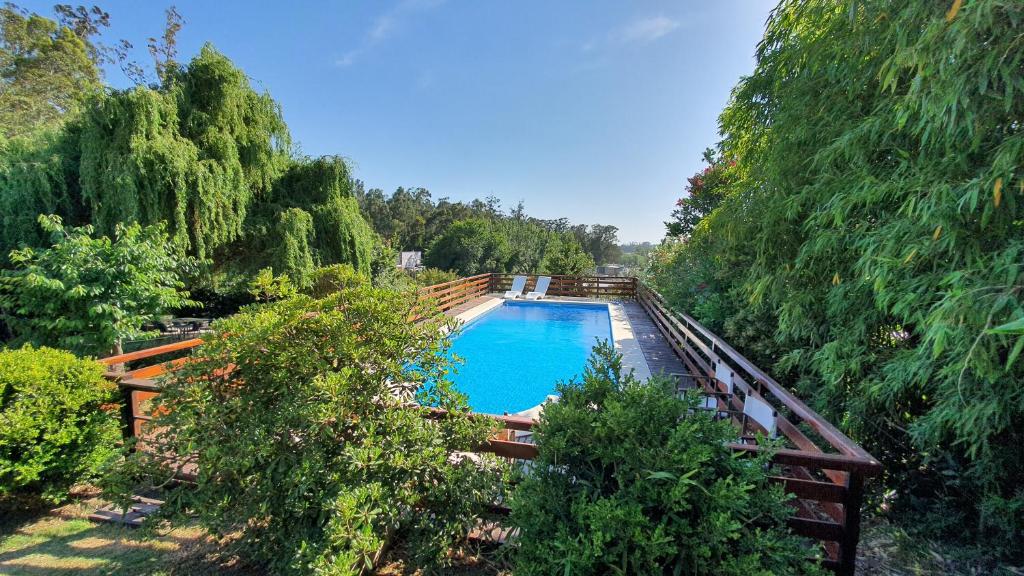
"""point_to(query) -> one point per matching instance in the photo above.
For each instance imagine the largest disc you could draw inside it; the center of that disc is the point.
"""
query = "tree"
(165, 49)
(600, 241)
(195, 154)
(704, 192)
(469, 247)
(310, 219)
(311, 449)
(409, 210)
(46, 70)
(520, 246)
(373, 205)
(563, 255)
(89, 294)
(37, 176)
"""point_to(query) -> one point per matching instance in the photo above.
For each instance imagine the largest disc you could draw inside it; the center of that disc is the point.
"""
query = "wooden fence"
(825, 473)
(574, 286)
(449, 295)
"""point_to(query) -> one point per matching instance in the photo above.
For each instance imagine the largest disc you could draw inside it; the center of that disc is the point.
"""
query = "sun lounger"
(540, 290)
(518, 283)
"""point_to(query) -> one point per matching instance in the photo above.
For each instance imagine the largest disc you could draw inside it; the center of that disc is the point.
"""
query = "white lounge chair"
(540, 290)
(518, 283)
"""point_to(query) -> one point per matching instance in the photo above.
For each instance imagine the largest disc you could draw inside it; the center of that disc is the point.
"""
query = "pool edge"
(626, 343)
(623, 339)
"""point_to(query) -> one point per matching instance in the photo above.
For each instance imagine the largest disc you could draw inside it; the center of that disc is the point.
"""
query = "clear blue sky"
(595, 110)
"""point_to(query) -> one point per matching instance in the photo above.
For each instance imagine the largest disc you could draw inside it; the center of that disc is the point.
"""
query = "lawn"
(63, 540)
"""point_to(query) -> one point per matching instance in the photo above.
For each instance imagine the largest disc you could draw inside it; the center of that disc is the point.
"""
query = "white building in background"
(611, 270)
(410, 260)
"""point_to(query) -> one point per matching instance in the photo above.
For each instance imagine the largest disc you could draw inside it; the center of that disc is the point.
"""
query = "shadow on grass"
(35, 539)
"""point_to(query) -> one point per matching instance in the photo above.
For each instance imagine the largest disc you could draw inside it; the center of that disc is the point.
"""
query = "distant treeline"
(486, 237)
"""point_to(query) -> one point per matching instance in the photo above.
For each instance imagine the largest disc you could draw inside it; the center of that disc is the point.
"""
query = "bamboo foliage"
(875, 234)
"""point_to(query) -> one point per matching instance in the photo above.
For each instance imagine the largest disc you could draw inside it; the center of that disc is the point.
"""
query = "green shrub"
(58, 423)
(431, 276)
(629, 481)
(311, 447)
(330, 279)
(266, 287)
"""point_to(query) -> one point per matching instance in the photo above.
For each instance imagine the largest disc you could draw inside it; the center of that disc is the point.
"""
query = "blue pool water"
(514, 354)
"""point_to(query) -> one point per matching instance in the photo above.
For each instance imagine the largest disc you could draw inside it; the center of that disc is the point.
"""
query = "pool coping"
(624, 339)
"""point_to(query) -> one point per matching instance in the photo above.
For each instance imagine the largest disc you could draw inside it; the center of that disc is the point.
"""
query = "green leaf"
(1014, 327)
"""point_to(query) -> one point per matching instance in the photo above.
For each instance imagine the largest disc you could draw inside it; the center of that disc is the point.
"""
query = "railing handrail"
(819, 424)
(436, 287)
(150, 352)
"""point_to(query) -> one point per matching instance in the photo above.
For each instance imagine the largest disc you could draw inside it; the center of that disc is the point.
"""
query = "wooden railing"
(574, 286)
(825, 474)
(449, 295)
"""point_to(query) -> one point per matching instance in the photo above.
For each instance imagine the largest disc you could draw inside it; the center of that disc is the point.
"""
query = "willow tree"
(195, 153)
(878, 214)
(37, 176)
(311, 218)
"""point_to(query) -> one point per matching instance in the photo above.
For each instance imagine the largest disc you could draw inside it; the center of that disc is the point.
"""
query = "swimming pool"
(514, 354)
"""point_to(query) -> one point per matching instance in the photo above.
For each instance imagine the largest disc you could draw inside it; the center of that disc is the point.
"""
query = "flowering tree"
(704, 192)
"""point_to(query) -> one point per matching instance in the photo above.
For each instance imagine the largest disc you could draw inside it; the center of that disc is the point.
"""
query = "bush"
(628, 481)
(311, 447)
(266, 287)
(58, 423)
(330, 279)
(431, 276)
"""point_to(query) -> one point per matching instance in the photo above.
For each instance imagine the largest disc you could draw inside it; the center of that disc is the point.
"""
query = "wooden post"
(851, 524)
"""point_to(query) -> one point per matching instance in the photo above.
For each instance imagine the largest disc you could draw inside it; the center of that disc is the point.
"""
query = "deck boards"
(660, 357)
(469, 304)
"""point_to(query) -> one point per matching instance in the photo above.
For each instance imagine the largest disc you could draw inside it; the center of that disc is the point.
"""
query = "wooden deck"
(453, 312)
(659, 354)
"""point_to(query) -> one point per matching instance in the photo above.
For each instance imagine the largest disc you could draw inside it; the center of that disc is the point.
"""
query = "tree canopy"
(46, 71)
(195, 154)
(311, 218)
(480, 245)
(200, 152)
(88, 294)
(873, 237)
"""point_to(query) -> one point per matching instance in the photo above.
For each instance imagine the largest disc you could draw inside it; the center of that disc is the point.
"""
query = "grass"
(887, 549)
(64, 541)
(38, 540)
